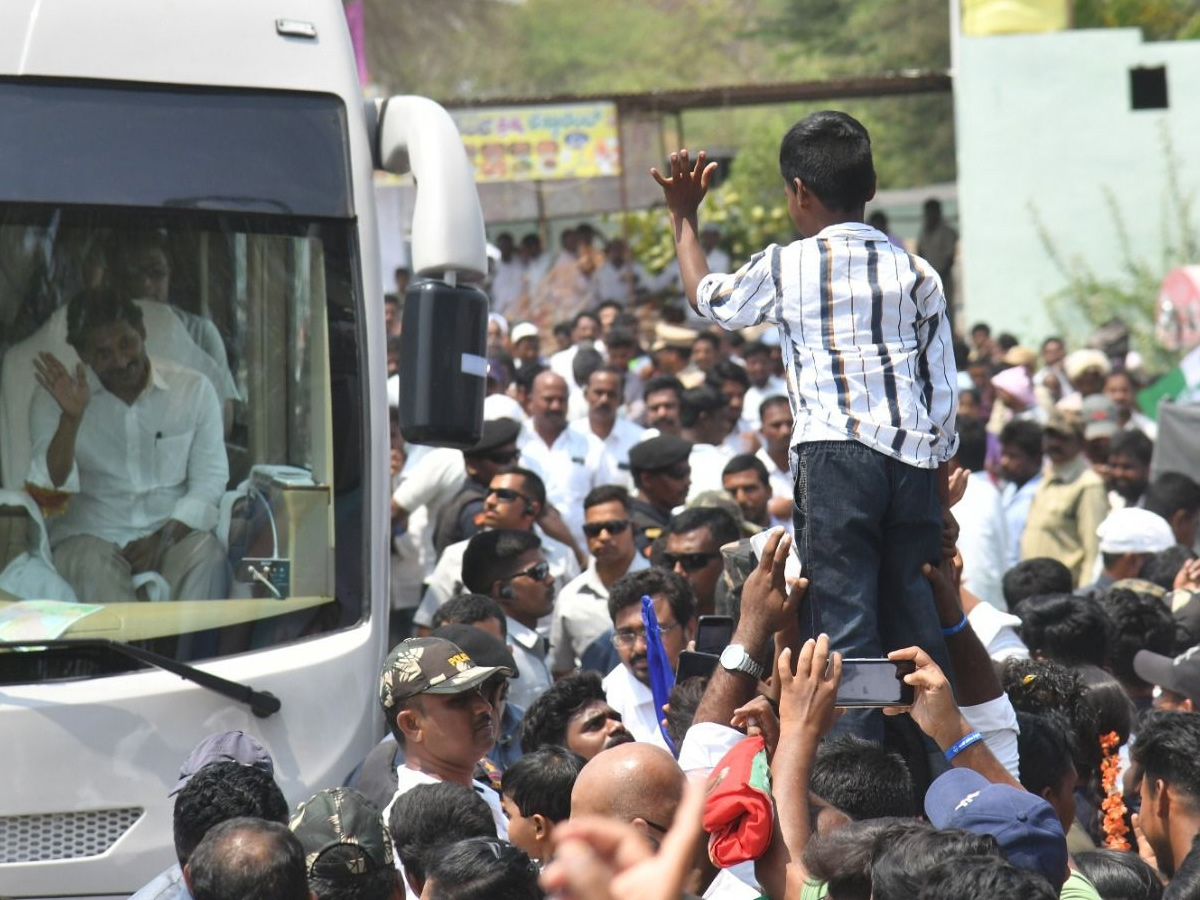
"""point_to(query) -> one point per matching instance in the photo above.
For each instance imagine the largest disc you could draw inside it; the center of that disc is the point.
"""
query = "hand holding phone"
(868, 683)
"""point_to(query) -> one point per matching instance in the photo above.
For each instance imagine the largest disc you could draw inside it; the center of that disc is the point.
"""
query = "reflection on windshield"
(169, 469)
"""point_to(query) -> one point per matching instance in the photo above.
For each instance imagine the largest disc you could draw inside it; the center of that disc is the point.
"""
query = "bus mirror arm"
(261, 703)
(416, 135)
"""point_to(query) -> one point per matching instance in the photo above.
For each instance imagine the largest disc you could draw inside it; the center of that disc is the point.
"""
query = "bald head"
(628, 782)
(247, 857)
(548, 404)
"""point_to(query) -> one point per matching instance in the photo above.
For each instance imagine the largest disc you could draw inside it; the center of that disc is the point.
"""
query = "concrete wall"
(1044, 125)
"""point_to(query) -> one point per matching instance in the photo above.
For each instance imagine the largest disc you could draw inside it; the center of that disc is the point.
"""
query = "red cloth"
(739, 814)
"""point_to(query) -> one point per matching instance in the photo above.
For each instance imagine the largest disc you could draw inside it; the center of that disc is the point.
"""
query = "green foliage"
(1160, 20)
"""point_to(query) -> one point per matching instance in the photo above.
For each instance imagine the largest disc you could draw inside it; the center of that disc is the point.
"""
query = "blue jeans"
(865, 523)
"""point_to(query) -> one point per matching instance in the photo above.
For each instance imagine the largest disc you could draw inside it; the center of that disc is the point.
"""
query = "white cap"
(521, 331)
(1134, 531)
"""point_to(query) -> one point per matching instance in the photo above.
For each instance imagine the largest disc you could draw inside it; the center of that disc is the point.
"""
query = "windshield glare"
(178, 433)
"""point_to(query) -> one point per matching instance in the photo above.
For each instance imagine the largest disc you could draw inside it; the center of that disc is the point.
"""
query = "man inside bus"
(137, 443)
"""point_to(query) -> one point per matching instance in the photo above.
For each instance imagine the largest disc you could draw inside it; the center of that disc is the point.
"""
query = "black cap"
(660, 452)
(484, 648)
(496, 433)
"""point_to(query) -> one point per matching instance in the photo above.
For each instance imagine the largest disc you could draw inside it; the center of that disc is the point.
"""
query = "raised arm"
(71, 394)
(683, 191)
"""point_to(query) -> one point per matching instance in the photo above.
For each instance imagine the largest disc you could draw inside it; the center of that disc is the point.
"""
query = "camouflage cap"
(427, 665)
(342, 833)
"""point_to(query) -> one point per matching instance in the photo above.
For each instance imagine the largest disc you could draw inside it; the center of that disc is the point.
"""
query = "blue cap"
(224, 746)
(1024, 825)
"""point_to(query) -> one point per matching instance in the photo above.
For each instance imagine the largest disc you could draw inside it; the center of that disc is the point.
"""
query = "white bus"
(213, 158)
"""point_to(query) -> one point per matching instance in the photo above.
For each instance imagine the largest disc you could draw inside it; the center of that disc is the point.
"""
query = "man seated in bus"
(137, 443)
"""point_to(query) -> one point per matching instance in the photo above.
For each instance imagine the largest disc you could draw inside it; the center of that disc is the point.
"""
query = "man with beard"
(603, 393)
(574, 714)
(573, 463)
(509, 566)
(1129, 456)
(430, 691)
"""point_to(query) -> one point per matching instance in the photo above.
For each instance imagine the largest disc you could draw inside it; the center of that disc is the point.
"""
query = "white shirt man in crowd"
(705, 423)
(627, 686)
(618, 277)
(764, 383)
(618, 435)
(572, 463)
(983, 535)
(581, 613)
(775, 429)
(1021, 468)
(139, 442)
(508, 280)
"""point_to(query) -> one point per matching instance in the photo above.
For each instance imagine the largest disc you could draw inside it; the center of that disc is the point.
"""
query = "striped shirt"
(870, 355)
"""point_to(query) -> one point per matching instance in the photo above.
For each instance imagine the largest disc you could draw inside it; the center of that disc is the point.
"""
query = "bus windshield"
(181, 446)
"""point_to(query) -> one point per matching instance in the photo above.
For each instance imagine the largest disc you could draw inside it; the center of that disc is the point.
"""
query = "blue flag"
(662, 678)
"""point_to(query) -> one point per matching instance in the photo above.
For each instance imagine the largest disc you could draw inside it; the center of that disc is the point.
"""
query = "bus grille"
(45, 837)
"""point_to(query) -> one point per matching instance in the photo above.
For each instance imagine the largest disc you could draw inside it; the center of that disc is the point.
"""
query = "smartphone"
(875, 682)
(713, 634)
(693, 664)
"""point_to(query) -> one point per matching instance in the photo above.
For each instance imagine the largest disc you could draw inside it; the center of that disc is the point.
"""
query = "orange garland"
(1116, 832)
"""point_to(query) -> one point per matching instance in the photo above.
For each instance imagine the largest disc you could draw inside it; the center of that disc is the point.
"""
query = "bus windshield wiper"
(261, 703)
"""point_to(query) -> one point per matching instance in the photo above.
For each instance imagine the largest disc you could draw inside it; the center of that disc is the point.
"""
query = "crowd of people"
(977, 512)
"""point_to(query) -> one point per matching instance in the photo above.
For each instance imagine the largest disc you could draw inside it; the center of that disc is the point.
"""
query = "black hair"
(1053, 339)
(1161, 568)
(546, 719)
(1006, 341)
(1066, 628)
(376, 883)
(1119, 875)
(587, 360)
(831, 153)
(906, 851)
(972, 445)
(727, 370)
(540, 783)
(709, 338)
(96, 308)
(1045, 749)
(746, 462)
(527, 374)
(972, 393)
(227, 866)
(607, 369)
(984, 876)
(632, 586)
(1139, 622)
(563, 328)
(490, 556)
(467, 609)
(1132, 443)
(584, 314)
(978, 326)
(1042, 685)
(1171, 492)
(605, 304)
(754, 348)
(607, 493)
(1111, 708)
(842, 857)
(620, 337)
(1036, 578)
(427, 817)
(222, 791)
(1185, 883)
(1025, 435)
(482, 869)
(663, 383)
(683, 702)
(862, 779)
(535, 488)
(771, 401)
(700, 399)
(1168, 747)
(721, 525)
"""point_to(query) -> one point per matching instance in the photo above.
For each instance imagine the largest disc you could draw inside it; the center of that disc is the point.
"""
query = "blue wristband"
(962, 744)
(955, 629)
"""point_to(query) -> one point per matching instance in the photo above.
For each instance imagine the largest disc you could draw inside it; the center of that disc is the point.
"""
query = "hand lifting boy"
(870, 371)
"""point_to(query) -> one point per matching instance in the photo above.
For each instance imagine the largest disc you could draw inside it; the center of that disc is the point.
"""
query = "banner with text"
(534, 143)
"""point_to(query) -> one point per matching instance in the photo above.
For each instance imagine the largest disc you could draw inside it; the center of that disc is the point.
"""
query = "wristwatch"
(735, 659)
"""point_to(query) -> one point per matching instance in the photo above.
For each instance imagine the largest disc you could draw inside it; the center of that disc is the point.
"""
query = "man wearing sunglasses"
(509, 566)
(581, 614)
(693, 551)
(515, 500)
(662, 476)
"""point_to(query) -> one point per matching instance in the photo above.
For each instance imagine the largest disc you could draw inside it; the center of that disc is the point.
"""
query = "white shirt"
(508, 284)
(1016, 502)
(983, 539)
(775, 387)
(138, 465)
(635, 703)
(581, 615)
(427, 483)
(529, 651)
(870, 355)
(996, 630)
(623, 437)
(446, 581)
(612, 283)
(708, 461)
(571, 467)
(782, 484)
(502, 406)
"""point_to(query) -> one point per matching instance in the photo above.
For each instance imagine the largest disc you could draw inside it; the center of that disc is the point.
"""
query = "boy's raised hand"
(687, 184)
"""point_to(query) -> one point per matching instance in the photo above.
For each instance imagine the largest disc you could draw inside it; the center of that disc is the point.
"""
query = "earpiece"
(506, 592)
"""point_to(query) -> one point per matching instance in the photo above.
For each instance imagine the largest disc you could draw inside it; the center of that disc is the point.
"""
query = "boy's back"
(870, 344)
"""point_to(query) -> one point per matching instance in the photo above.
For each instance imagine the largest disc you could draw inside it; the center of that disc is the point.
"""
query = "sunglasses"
(691, 562)
(503, 459)
(613, 527)
(628, 636)
(538, 572)
(507, 495)
(683, 470)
